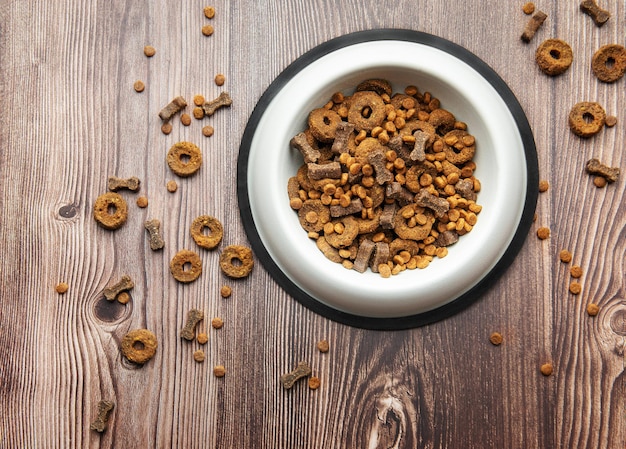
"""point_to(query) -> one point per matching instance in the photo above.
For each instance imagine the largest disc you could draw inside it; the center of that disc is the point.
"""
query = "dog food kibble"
(213, 225)
(575, 288)
(554, 56)
(209, 12)
(301, 371)
(586, 118)
(185, 119)
(186, 266)
(207, 30)
(599, 181)
(543, 233)
(124, 284)
(198, 113)
(194, 316)
(314, 382)
(226, 291)
(154, 231)
(142, 202)
(220, 79)
(323, 346)
(565, 256)
(198, 356)
(593, 309)
(149, 51)
(184, 158)
(609, 63)
(384, 174)
(62, 288)
(139, 346)
(115, 183)
(610, 121)
(217, 323)
(496, 339)
(547, 369)
(172, 108)
(236, 261)
(219, 371)
(528, 8)
(576, 271)
(166, 128)
(591, 8)
(139, 86)
(123, 297)
(595, 167)
(202, 338)
(207, 131)
(171, 186)
(222, 100)
(544, 186)
(110, 211)
(533, 24)
(104, 411)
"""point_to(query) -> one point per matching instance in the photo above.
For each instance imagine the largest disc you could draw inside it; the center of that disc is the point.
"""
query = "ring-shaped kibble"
(323, 124)
(418, 232)
(186, 266)
(110, 210)
(380, 86)
(244, 264)
(184, 158)
(216, 231)
(139, 345)
(459, 153)
(313, 215)
(554, 56)
(586, 118)
(350, 232)
(609, 63)
(442, 120)
(367, 110)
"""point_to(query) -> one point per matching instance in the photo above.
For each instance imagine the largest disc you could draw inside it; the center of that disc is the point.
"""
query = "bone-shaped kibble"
(289, 379)
(438, 205)
(104, 410)
(211, 106)
(342, 134)
(320, 171)
(533, 25)
(400, 194)
(419, 149)
(355, 206)
(154, 230)
(172, 108)
(300, 142)
(116, 183)
(465, 188)
(124, 284)
(378, 160)
(194, 316)
(595, 167)
(590, 7)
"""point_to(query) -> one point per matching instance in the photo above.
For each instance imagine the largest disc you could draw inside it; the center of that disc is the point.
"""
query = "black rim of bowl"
(459, 303)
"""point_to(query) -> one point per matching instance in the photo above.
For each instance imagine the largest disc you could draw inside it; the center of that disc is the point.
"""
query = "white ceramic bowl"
(505, 159)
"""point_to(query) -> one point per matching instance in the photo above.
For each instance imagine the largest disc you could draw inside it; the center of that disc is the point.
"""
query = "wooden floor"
(70, 118)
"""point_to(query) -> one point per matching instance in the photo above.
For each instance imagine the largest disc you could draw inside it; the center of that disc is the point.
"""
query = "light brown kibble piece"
(217, 323)
(220, 79)
(207, 131)
(198, 113)
(219, 371)
(599, 181)
(610, 121)
(544, 185)
(62, 288)
(565, 256)
(528, 8)
(172, 186)
(226, 291)
(496, 338)
(202, 338)
(314, 382)
(576, 271)
(139, 86)
(575, 288)
(149, 51)
(209, 12)
(543, 232)
(123, 297)
(547, 369)
(198, 100)
(593, 309)
(323, 346)
(142, 202)
(198, 356)
(185, 119)
(166, 128)
(207, 30)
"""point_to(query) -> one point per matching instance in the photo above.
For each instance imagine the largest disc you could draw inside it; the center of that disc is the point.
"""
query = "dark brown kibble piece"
(342, 134)
(115, 183)
(438, 205)
(289, 379)
(554, 56)
(172, 108)
(124, 284)
(609, 63)
(356, 205)
(223, 100)
(331, 170)
(300, 142)
(363, 255)
(104, 411)
(446, 238)
(586, 118)
(600, 16)
(154, 231)
(533, 25)
(595, 167)
(496, 339)
(378, 160)
(194, 316)
(149, 51)
(139, 86)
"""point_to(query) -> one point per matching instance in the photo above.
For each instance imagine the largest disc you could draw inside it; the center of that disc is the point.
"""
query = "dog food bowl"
(505, 157)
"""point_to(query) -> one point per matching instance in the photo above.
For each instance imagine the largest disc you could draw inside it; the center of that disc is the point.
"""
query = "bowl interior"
(501, 169)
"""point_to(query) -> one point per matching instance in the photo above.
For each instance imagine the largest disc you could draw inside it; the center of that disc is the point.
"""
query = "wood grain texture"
(70, 118)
